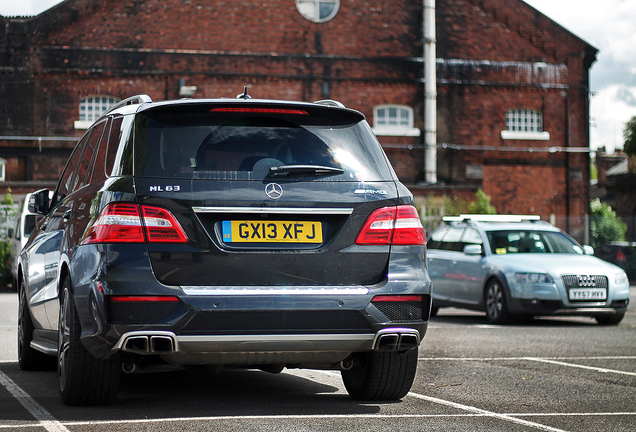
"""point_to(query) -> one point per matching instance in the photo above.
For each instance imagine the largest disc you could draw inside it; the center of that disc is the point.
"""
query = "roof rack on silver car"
(138, 99)
(491, 218)
(330, 102)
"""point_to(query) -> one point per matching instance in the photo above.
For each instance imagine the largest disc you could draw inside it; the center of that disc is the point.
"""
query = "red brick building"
(512, 85)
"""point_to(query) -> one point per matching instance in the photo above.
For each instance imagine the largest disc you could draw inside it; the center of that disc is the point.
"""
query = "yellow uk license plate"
(250, 231)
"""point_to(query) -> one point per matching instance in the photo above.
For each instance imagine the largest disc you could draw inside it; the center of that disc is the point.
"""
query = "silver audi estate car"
(521, 267)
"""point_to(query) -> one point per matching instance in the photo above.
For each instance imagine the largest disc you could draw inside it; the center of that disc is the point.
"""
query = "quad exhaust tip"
(164, 343)
(396, 339)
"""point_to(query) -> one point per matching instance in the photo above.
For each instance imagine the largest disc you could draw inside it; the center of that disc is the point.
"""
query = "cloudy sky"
(608, 25)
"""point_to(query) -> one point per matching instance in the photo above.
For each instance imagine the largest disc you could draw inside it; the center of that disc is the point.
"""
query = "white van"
(18, 236)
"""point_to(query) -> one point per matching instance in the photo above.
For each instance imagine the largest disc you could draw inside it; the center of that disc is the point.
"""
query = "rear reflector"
(127, 299)
(397, 298)
(123, 223)
(393, 225)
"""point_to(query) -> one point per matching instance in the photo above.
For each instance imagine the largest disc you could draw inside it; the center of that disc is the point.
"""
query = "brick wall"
(493, 55)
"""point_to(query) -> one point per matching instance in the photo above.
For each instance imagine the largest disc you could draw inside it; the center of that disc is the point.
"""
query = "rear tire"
(82, 378)
(381, 376)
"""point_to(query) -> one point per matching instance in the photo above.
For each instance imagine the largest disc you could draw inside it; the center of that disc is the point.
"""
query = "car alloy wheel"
(496, 308)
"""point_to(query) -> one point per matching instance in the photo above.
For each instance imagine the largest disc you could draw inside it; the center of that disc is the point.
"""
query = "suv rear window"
(205, 141)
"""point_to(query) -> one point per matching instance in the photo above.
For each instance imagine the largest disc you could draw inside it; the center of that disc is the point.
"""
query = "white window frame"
(92, 107)
(524, 124)
(3, 169)
(310, 9)
(401, 126)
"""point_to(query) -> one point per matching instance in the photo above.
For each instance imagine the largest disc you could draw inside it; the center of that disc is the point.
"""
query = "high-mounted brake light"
(123, 223)
(393, 225)
(260, 110)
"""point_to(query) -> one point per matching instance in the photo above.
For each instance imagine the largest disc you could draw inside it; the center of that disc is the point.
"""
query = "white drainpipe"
(430, 93)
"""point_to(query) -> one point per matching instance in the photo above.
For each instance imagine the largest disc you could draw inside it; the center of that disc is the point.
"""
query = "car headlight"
(620, 278)
(533, 278)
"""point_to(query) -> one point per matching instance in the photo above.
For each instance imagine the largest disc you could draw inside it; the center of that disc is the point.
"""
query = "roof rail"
(138, 99)
(331, 103)
(491, 218)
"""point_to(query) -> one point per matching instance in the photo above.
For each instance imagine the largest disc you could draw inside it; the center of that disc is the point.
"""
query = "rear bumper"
(310, 349)
(248, 324)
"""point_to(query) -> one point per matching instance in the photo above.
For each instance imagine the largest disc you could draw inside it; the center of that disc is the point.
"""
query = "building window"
(394, 120)
(524, 123)
(91, 108)
(3, 163)
(318, 10)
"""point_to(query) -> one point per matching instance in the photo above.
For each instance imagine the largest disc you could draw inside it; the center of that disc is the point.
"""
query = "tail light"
(399, 225)
(124, 223)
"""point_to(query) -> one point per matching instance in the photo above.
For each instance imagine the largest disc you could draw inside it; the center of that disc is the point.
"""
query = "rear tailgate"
(250, 242)
(268, 194)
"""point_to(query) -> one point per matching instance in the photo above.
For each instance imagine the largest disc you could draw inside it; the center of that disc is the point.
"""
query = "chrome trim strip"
(278, 338)
(274, 210)
(266, 342)
(254, 291)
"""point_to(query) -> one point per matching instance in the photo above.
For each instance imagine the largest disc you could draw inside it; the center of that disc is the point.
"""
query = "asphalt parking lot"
(555, 374)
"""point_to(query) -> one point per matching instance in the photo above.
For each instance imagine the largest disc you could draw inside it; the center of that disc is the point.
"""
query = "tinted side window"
(66, 183)
(113, 145)
(98, 171)
(89, 153)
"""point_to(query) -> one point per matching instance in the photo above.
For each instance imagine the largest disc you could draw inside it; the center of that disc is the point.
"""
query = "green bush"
(481, 205)
(7, 215)
(605, 225)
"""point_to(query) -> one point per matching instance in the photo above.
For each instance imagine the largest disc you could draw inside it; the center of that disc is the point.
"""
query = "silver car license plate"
(588, 294)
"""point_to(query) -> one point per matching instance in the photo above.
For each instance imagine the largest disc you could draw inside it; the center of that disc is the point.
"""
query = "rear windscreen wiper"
(303, 169)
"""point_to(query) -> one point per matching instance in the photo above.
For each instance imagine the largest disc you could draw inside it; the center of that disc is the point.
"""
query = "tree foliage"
(629, 133)
(481, 205)
(605, 225)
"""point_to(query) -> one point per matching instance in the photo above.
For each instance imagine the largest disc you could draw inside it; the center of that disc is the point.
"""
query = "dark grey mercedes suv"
(227, 232)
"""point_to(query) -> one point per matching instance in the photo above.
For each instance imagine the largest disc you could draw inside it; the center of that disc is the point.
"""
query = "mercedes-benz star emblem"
(274, 191)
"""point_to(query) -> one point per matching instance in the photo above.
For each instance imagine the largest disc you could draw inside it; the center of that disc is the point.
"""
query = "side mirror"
(39, 202)
(588, 250)
(10, 233)
(472, 249)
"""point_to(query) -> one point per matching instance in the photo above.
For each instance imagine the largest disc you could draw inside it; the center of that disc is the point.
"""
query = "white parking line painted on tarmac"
(325, 417)
(45, 419)
(480, 412)
(550, 360)
(542, 360)
(474, 411)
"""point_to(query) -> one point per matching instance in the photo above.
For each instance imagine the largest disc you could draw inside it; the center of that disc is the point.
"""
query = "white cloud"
(25, 7)
(610, 109)
(607, 25)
